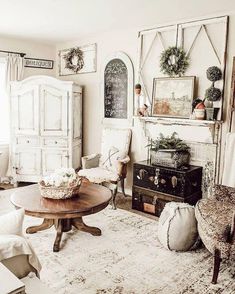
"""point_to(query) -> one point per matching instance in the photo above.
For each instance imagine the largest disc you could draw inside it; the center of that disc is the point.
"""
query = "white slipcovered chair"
(16, 253)
(109, 167)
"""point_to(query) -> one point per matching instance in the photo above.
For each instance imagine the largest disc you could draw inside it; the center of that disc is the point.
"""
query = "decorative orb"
(213, 94)
(214, 74)
(177, 228)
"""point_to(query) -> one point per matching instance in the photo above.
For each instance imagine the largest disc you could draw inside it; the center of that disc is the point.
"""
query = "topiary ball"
(213, 94)
(214, 74)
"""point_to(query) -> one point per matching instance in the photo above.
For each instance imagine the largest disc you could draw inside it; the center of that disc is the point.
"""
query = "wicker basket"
(61, 192)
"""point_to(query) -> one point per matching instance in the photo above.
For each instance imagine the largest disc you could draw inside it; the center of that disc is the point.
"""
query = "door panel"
(53, 159)
(26, 111)
(54, 105)
(28, 161)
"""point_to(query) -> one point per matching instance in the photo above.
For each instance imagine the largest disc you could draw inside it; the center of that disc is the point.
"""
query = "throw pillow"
(177, 228)
(12, 222)
(110, 160)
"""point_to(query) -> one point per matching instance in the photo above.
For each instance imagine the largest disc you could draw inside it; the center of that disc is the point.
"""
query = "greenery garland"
(168, 142)
(174, 61)
(69, 57)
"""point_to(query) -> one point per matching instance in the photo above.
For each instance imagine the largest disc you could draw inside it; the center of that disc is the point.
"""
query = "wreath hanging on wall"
(74, 60)
(174, 61)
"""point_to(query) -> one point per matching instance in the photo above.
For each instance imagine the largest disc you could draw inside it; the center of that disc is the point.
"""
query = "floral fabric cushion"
(223, 193)
(214, 222)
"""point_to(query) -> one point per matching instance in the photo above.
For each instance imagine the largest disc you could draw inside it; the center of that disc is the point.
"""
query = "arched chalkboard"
(115, 89)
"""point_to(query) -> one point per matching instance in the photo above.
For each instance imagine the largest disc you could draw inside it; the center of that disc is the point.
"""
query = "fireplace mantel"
(203, 137)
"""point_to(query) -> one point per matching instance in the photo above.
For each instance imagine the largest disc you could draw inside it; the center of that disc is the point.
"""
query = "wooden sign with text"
(39, 63)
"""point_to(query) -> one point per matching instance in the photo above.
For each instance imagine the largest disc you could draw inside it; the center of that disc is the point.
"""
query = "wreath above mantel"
(174, 61)
(74, 60)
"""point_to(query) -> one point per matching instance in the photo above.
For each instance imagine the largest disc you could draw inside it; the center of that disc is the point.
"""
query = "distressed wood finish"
(63, 214)
(46, 134)
(188, 35)
(231, 110)
(127, 119)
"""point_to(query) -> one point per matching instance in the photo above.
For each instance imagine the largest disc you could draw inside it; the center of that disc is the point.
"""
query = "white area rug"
(126, 259)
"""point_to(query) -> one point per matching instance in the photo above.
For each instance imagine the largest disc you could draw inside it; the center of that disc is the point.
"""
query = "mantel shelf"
(178, 121)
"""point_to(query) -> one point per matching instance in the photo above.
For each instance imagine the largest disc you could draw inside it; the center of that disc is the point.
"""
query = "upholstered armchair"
(110, 167)
(216, 218)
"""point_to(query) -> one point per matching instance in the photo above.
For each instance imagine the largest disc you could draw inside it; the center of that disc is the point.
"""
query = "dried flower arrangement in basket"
(62, 184)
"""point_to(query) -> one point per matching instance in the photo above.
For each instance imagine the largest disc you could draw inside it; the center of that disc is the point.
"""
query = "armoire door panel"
(54, 107)
(26, 111)
(28, 161)
(53, 159)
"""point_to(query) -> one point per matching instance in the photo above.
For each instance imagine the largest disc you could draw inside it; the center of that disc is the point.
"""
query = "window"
(4, 105)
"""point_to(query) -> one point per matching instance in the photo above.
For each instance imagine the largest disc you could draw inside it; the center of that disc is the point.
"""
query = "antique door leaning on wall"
(231, 110)
(196, 37)
(117, 89)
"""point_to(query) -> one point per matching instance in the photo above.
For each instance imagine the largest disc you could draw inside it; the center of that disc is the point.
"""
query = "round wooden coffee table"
(63, 214)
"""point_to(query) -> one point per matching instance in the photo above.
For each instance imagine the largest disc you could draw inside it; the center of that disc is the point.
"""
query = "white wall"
(32, 50)
(126, 41)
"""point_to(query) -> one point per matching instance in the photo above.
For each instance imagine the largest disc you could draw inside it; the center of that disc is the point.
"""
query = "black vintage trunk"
(154, 186)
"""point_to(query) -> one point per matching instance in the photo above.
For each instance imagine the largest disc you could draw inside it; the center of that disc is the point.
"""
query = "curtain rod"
(12, 52)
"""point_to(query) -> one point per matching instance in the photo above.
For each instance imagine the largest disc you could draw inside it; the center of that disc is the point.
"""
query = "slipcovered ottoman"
(177, 228)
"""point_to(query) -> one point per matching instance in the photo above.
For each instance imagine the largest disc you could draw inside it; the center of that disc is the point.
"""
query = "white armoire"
(46, 127)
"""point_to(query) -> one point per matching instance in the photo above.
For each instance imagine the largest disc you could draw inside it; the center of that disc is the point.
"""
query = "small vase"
(199, 113)
(209, 113)
(216, 111)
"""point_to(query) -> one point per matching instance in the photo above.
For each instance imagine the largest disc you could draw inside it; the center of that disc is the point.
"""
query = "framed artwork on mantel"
(172, 97)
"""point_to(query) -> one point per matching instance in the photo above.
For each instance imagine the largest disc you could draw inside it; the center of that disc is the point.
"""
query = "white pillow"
(177, 228)
(11, 223)
(111, 159)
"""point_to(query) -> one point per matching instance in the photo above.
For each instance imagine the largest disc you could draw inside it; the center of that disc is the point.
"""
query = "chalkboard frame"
(130, 90)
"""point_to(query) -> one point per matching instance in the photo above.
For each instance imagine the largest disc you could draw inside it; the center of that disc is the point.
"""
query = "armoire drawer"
(29, 141)
(55, 142)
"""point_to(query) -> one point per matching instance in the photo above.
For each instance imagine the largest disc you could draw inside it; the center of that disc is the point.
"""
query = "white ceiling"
(56, 21)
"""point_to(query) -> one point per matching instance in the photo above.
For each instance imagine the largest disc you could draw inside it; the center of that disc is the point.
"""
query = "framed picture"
(172, 97)
(88, 60)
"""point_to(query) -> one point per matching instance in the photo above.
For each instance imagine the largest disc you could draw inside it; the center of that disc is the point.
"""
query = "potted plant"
(169, 151)
(212, 94)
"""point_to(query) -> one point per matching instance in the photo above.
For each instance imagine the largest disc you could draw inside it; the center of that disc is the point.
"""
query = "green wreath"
(69, 60)
(174, 61)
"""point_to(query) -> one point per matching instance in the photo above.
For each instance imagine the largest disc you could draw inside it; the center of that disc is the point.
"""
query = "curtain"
(15, 68)
(14, 72)
(229, 161)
